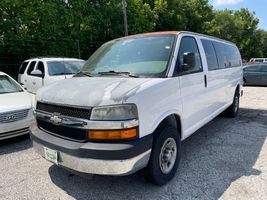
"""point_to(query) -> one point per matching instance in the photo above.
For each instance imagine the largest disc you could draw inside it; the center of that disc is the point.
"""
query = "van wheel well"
(172, 120)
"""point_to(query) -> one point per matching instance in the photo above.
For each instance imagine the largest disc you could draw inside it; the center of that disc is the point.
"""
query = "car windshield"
(7, 85)
(145, 55)
(64, 67)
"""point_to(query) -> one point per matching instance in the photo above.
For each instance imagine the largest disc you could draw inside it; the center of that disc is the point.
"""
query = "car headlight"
(114, 113)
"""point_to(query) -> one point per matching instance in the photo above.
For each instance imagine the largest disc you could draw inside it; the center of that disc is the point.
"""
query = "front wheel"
(165, 156)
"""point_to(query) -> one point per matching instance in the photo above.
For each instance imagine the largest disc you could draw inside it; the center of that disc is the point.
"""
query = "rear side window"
(227, 55)
(254, 68)
(31, 67)
(221, 55)
(210, 55)
(189, 60)
(23, 67)
(264, 68)
(258, 60)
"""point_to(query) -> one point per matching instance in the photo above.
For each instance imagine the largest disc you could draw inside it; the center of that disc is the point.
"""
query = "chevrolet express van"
(134, 101)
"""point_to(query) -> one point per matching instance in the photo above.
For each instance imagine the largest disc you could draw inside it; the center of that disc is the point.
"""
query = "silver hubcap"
(168, 155)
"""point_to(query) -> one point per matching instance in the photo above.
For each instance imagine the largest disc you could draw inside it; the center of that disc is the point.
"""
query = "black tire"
(154, 171)
(232, 111)
(244, 81)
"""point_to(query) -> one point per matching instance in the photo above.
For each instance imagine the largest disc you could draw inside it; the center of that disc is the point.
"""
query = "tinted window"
(264, 68)
(228, 55)
(23, 67)
(258, 60)
(31, 67)
(221, 55)
(233, 56)
(191, 64)
(253, 68)
(40, 66)
(210, 55)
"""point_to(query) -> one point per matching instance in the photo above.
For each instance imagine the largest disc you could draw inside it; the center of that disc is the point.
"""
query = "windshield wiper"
(83, 74)
(112, 72)
(62, 73)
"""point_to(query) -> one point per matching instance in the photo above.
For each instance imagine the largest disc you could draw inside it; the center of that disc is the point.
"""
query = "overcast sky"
(258, 6)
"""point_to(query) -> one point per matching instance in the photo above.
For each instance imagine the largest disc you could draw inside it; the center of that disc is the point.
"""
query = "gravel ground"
(226, 159)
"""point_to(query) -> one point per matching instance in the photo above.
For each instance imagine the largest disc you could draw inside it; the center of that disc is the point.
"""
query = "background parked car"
(257, 60)
(15, 108)
(37, 72)
(255, 74)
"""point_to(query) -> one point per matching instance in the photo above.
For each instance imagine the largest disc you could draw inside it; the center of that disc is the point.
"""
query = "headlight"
(116, 112)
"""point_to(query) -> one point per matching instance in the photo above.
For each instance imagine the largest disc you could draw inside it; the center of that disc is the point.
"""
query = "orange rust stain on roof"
(152, 33)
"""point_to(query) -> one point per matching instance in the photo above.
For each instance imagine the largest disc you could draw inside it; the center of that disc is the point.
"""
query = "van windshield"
(7, 85)
(64, 67)
(147, 56)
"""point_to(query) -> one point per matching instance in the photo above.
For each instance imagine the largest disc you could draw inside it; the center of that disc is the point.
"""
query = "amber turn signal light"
(112, 134)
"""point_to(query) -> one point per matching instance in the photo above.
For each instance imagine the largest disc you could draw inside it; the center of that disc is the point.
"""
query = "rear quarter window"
(23, 67)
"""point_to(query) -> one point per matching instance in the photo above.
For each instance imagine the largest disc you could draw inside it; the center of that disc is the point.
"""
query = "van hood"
(91, 91)
(15, 101)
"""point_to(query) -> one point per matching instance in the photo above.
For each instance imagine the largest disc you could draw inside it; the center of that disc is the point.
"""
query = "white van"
(37, 72)
(134, 101)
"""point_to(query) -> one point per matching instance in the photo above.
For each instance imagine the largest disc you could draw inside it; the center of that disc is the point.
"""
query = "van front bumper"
(95, 158)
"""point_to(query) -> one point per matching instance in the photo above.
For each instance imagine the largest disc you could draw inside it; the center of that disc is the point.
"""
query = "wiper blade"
(63, 73)
(83, 73)
(112, 72)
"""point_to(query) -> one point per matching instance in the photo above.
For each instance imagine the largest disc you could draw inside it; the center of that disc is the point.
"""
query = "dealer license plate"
(51, 155)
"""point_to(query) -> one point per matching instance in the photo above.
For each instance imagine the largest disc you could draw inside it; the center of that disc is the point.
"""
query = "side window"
(264, 68)
(23, 67)
(221, 55)
(234, 56)
(189, 60)
(31, 67)
(210, 55)
(40, 66)
(254, 68)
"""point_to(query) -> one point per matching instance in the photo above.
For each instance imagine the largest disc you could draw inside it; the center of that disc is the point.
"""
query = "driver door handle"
(205, 80)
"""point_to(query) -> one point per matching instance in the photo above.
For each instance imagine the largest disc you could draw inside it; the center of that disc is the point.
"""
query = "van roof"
(174, 33)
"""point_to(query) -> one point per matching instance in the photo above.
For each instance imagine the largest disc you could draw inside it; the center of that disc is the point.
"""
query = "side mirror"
(37, 73)
(189, 61)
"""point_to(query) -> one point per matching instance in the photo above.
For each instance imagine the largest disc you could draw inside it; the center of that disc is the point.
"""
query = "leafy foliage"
(30, 28)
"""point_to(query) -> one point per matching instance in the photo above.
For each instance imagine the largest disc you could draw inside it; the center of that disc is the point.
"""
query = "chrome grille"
(13, 116)
(70, 111)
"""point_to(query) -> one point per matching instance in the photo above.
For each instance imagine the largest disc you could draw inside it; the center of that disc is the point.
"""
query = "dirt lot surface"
(226, 159)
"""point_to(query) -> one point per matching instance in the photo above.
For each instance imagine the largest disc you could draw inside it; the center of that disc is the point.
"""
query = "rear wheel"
(165, 156)
(232, 111)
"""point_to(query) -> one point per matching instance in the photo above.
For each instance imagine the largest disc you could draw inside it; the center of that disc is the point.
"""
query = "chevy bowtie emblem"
(55, 119)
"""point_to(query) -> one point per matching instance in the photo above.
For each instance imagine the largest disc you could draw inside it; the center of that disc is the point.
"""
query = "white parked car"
(38, 72)
(16, 111)
(134, 101)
